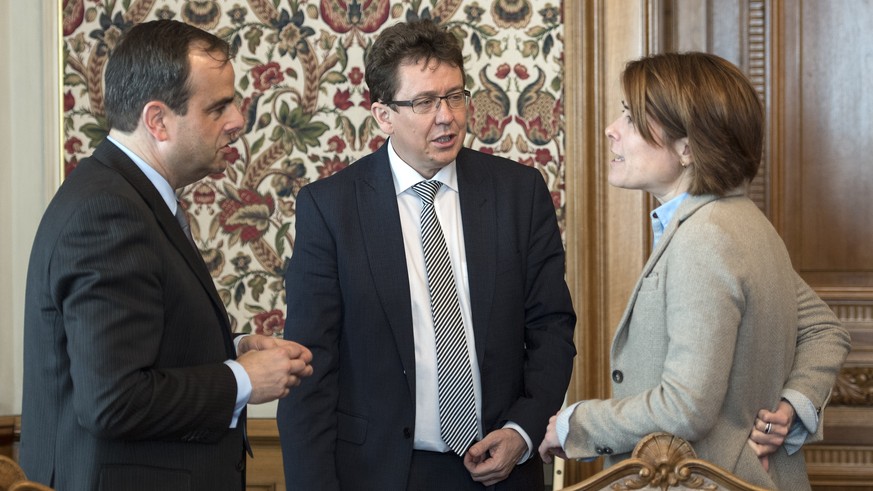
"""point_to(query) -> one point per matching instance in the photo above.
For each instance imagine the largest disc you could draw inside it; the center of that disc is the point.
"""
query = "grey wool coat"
(719, 323)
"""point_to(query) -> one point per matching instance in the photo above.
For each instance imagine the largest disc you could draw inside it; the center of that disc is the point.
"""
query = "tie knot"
(426, 190)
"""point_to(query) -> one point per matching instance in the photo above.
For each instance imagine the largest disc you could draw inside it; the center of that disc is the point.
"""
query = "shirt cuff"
(523, 459)
(243, 389)
(236, 341)
(805, 422)
(562, 424)
(562, 428)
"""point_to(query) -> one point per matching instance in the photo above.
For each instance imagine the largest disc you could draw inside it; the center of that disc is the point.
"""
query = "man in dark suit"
(131, 377)
(359, 288)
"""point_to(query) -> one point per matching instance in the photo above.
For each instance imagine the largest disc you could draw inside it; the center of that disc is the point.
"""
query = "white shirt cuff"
(523, 459)
(243, 389)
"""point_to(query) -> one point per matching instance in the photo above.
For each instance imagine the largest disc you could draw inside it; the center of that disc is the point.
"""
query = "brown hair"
(151, 63)
(710, 101)
(404, 43)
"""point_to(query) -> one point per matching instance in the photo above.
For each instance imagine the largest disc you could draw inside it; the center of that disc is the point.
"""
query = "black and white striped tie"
(457, 402)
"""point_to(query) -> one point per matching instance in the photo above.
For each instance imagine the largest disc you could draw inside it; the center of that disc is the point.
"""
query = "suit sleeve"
(107, 280)
(307, 417)
(822, 346)
(549, 320)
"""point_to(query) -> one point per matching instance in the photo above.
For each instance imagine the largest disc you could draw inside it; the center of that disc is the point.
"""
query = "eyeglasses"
(431, 103)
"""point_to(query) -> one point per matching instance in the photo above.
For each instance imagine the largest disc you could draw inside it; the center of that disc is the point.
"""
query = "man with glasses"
(428, 281)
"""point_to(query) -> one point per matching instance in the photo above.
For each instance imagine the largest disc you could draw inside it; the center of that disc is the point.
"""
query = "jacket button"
(607, 450)
(617, 376)
(241, 465)
(407, 433)
(599, 450)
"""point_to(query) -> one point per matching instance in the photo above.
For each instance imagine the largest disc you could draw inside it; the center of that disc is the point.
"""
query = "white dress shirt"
(447, 206)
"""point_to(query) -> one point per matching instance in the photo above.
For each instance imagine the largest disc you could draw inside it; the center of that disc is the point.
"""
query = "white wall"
(29, 164)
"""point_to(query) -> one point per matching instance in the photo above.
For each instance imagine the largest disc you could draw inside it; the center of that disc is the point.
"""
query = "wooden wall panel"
(264, 472)
(810, 62)
(832, 55)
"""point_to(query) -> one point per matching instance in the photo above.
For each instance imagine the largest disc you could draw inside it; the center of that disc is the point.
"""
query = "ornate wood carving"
(854, 387)
(662, 461)
(756, 63)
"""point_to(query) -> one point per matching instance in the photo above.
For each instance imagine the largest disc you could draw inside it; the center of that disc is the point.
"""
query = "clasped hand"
(491, 459)
(273, 365)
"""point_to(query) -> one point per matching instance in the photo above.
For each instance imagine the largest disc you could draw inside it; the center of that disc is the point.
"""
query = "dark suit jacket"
(125, 335)
(351, 424)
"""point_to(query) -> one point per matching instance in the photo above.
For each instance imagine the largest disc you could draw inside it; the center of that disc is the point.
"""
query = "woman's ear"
(683, 150)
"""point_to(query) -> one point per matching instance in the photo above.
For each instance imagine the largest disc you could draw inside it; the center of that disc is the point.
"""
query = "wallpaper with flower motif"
(299, 68)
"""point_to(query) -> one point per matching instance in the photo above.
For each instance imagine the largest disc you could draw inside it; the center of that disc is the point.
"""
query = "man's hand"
(551, 446)
(769, 431)
(273, 365)
(493, 458)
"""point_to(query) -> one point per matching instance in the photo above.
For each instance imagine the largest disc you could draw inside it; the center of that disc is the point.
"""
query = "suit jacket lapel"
(479, 216)
(686, 209)
(383, 240)
(111, 156)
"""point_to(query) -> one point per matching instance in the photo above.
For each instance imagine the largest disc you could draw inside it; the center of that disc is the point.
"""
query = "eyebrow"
(433, 93)
(624, 105)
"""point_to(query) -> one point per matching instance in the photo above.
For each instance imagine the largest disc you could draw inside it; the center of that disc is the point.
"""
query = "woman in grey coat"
(719, 324)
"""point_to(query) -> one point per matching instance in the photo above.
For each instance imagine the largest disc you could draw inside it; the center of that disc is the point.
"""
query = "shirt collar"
(662, 215)
(405, 176)
(166, 191)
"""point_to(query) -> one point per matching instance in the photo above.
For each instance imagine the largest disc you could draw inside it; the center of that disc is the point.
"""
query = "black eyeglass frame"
(438, 99)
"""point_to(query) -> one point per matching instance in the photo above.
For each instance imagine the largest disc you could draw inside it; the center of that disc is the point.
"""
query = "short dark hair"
(150, 63)
(404, 43)
(707, 99)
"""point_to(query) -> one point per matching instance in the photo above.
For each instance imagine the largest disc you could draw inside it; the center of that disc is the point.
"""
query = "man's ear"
(155, 117)
(383, 115)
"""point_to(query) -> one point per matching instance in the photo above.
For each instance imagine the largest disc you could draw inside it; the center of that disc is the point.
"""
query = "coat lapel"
(686, 209)
(479, 214)
(383, 240)
(111, 156)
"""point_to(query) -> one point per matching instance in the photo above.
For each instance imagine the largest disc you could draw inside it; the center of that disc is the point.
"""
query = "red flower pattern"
(74, 13)
(237, 209)
(266, 76)
(331, 166)
(248, 217)
(543, 156)
(336, 144)
(356, 76)
(365, 100)
(376, 143)
(341, 100)
(69, 101)
(269, 323)
(73, 145)
(204, 194)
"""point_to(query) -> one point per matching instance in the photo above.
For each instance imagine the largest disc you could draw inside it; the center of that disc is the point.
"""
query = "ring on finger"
(768, 428)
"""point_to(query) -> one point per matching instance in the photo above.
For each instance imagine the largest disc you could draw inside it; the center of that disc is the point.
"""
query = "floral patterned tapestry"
(299, 68)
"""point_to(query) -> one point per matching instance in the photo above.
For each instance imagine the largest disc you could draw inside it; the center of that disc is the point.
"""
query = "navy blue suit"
(350, 425)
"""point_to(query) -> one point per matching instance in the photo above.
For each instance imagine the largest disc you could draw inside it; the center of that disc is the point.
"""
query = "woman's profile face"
(638, 164)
